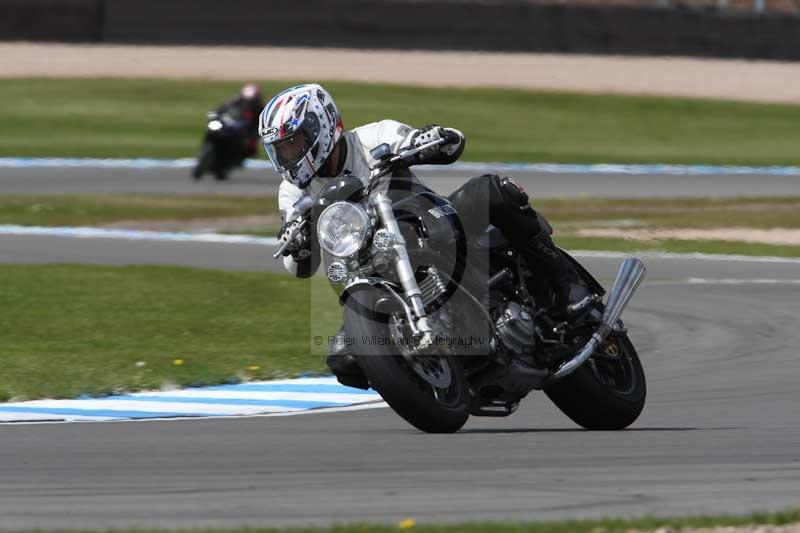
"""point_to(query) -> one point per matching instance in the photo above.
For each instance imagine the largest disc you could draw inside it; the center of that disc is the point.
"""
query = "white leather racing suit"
(358, 163)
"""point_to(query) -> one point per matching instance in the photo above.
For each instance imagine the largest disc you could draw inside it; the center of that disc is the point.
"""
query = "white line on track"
(723, 281)
(218, 238)
(688, 256)
(132, 235)
(733, 281)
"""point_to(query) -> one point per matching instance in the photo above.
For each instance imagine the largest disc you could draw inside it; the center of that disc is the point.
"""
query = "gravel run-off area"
(760, 81)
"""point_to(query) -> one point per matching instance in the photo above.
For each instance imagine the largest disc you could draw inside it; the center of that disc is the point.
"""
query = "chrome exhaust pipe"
(630, 275)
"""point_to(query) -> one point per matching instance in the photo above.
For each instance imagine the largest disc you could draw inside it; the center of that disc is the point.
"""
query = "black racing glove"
(445, 153)
(300, 247)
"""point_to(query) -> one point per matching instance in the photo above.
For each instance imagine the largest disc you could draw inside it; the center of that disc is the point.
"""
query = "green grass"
(608, 525)
(165, 118)
(69, 330)
(94, 209)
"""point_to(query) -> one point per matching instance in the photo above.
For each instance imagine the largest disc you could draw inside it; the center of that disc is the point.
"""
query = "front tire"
(204, 160)
(606, 392)
(393, 374)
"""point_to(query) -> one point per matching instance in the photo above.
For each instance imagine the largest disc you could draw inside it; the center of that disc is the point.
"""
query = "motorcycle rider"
(246, 107)
(303, 135)
(222, 150)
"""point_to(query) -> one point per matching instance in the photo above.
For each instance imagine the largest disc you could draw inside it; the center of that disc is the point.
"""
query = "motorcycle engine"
(516, 329)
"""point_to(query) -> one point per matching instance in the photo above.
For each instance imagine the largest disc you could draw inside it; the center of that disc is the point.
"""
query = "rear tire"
(595, 405)
(391, 374)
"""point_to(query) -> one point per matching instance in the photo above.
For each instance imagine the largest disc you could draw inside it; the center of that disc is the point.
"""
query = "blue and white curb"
(282, 397)
(545, 168)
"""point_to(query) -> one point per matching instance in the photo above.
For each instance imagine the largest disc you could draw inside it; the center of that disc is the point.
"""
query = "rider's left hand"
(432, 133)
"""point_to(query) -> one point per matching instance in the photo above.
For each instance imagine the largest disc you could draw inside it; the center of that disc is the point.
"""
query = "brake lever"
(414, 151)
(291, 238)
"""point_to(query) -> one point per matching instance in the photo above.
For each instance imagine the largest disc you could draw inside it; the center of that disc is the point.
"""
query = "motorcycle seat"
(492, 238)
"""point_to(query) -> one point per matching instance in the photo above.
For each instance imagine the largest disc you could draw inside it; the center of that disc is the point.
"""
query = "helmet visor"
(288, 152)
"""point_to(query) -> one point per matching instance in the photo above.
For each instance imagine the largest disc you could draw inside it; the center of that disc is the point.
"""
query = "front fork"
(418, 317)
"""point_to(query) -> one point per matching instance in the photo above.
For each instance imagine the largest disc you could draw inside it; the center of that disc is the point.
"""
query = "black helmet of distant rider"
(251, 100)
(245, 107)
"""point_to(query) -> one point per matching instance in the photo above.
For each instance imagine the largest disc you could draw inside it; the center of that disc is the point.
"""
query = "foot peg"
(494, 408)
(581, 306)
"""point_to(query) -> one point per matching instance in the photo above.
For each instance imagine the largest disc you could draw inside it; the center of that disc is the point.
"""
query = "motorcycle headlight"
(342, 229)
(215, 125)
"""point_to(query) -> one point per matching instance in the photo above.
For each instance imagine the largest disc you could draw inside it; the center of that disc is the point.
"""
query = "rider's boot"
(343, 364)
(511, 211)
(544, 257)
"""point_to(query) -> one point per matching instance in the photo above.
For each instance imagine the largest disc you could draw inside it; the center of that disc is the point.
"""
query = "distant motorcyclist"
(303, 135)
(232, 134)
(246, 107)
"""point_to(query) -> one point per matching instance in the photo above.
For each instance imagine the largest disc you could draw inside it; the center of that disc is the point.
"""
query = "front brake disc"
(432, 368)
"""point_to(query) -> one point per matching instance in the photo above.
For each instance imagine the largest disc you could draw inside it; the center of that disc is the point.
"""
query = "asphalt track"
(249, 181)
(720, 434)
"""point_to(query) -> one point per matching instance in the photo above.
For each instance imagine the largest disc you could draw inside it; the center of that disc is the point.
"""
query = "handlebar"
(389, 162)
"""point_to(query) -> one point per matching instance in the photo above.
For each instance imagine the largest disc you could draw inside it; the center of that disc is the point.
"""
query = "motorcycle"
(446, 327)
(224, 146)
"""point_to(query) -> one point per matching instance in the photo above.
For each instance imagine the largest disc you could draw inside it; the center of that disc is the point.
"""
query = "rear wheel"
(428, 390)
(607, 392)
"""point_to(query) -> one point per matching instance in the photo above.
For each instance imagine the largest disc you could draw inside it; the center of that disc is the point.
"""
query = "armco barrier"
(51, 20)
(349, 23)
(509, 25)
(627, 30)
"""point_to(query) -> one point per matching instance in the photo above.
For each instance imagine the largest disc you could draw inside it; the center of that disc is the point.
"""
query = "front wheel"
(429, 391)
(607, 392)
(204, 160)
